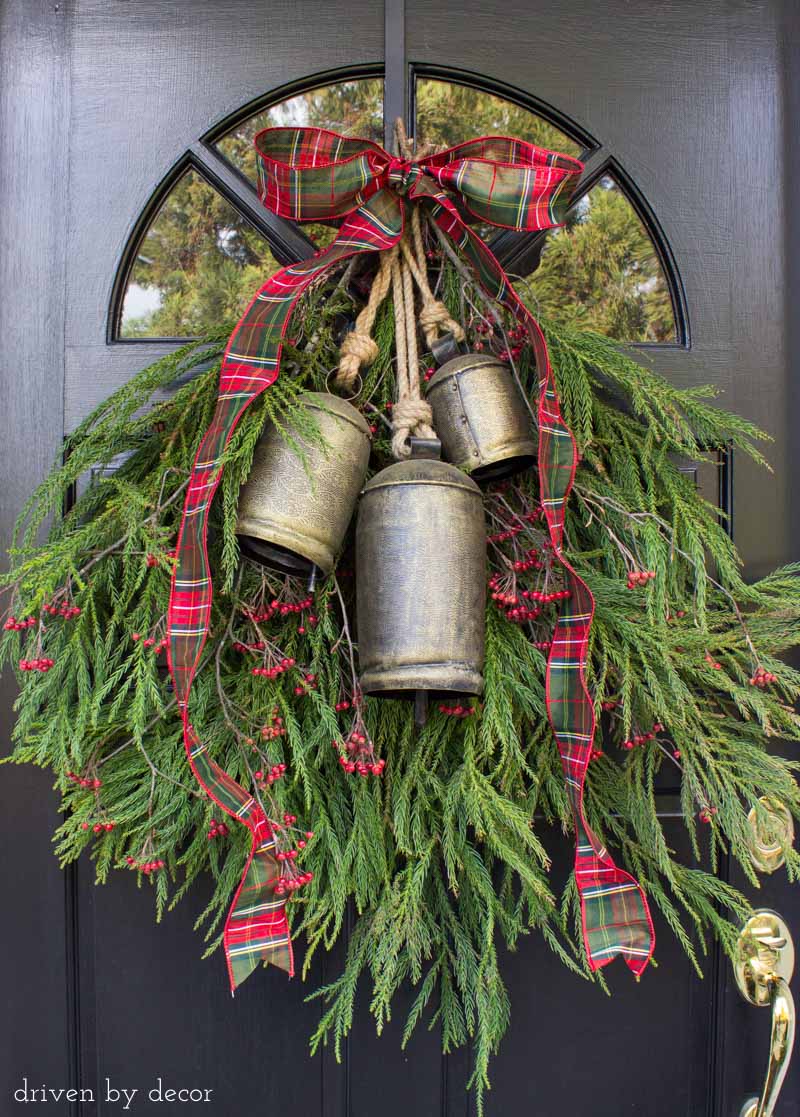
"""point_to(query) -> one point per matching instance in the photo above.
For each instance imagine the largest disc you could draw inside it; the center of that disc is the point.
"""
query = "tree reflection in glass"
(601, 272)
(448, 114)
(197, 266)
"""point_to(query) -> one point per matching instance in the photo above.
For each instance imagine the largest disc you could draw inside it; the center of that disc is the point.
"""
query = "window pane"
(354, 108)
(197, 266)
(601, 272)
(448, 114)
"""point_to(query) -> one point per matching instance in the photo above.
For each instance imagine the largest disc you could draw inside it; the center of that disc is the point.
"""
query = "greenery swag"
(446, 856)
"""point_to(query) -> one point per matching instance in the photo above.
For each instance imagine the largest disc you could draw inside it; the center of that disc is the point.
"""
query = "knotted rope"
(358, 348)
(399, 268)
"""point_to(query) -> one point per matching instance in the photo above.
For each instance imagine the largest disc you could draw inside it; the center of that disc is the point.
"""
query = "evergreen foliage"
(447, 856)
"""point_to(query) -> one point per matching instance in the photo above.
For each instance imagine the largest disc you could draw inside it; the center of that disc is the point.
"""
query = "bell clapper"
(420, 708)
(312, 579)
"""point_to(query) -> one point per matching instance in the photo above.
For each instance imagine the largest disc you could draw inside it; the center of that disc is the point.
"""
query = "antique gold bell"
(293, 514)
(421, 582)
(481, 417)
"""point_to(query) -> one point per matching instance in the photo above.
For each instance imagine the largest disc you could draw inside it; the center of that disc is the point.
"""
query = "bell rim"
(402, 682)
(516, 464)
(522, 451)
(320, 556)
(272, 558)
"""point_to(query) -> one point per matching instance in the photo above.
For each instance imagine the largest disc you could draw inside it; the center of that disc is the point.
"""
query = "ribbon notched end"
(249, 943)
(257, 930)
(617, 923)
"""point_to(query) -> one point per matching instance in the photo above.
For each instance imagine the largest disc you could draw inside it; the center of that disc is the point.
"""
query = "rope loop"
(410, 416)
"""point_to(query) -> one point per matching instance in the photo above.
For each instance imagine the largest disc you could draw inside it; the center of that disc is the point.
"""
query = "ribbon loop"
(311, 174)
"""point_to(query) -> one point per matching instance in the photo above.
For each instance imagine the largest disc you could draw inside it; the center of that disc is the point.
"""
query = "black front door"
(112, 113)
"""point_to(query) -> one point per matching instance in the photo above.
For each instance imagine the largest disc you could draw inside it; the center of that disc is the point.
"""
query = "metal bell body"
(293, 515)
(421, 581)
(481, 418)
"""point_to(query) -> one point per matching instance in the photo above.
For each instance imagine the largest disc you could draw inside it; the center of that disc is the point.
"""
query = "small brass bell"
(481, 417)
(421, 582)
(293, 515)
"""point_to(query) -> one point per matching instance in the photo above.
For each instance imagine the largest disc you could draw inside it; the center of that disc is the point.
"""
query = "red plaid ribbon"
(310, 174)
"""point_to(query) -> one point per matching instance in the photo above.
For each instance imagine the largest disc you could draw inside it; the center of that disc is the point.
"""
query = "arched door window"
(204, 243)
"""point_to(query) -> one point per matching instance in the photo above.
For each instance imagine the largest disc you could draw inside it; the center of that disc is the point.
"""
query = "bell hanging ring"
(293, 514)
(481, 417)
(421, 582)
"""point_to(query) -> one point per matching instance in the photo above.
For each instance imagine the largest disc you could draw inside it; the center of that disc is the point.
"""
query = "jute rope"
(411, 413)
(358, 348)
(400, 267)
(434, 316)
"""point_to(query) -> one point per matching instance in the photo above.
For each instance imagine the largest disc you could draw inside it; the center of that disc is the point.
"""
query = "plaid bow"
(310, 174)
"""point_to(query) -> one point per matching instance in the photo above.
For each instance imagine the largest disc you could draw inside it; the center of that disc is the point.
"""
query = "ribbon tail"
(615, 914)
(614, 911)
(257, 930)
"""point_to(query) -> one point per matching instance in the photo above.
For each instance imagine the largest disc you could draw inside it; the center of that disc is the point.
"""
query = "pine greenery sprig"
(448, 855)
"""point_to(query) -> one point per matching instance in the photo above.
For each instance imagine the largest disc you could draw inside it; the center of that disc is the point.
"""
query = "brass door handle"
(763, 967)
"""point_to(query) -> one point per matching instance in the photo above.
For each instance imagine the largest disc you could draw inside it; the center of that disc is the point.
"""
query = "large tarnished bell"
(421, 578)
(480, 416)
(293, 515)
